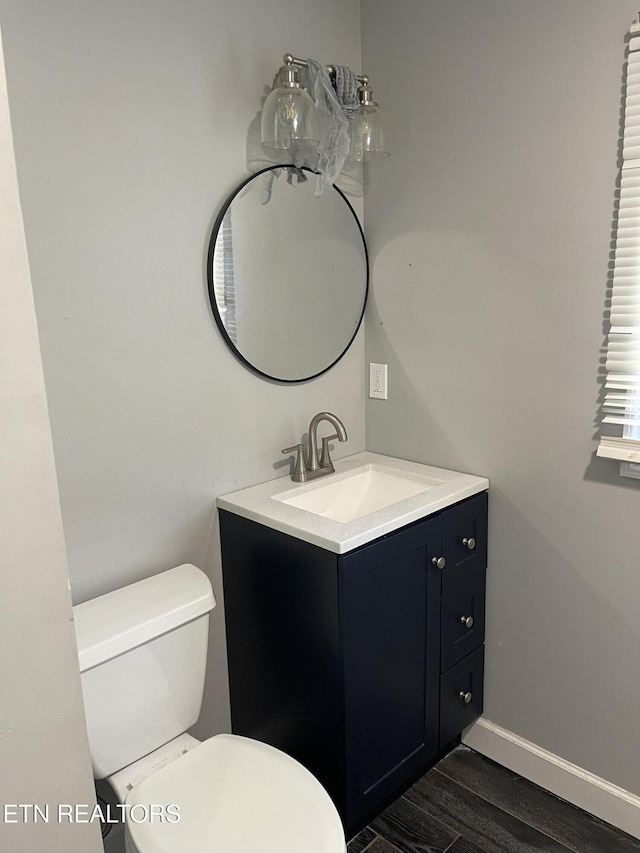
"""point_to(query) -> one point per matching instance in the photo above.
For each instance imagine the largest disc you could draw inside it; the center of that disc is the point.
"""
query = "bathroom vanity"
(362, 659)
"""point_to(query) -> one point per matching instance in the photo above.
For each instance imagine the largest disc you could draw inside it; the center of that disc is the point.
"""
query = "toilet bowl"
(235, 795)
(142, 652)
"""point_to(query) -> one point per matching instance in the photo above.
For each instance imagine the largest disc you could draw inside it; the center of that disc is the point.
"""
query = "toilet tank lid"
(114, 623)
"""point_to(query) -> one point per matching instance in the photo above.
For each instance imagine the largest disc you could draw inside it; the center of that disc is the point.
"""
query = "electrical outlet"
(378, 381)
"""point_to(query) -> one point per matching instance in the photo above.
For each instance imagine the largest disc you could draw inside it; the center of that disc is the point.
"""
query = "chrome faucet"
(317, 464)
(323, 462)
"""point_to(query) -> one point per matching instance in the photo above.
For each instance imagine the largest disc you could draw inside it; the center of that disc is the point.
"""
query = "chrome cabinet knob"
(466, 697)
(439, 562)
(469, 542)
(467, 621)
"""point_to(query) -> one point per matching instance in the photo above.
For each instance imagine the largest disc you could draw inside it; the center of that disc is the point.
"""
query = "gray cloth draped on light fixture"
(347, 90)
(333, 128)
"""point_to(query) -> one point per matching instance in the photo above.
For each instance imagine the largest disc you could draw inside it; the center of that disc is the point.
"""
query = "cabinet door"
(389, 615)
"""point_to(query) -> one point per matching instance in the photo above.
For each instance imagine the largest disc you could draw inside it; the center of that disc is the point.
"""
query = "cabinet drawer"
(464, 540)
(462, 620)
(463, 681)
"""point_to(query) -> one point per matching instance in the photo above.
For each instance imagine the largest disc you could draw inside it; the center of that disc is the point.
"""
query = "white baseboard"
(585, 790)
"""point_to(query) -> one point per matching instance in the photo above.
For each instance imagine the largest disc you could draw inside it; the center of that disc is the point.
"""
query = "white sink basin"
(367, 497)
(358, 493)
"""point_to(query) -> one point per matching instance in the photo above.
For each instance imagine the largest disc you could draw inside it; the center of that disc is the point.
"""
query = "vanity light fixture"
(367, 129)
(289, 115)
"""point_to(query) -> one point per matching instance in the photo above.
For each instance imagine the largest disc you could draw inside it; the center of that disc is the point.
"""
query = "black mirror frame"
(212, 299)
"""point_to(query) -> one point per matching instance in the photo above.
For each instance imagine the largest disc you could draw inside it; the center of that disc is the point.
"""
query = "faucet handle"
(325, 458)
(300, 470)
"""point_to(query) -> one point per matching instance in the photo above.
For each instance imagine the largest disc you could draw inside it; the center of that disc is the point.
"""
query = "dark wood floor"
(469, 804)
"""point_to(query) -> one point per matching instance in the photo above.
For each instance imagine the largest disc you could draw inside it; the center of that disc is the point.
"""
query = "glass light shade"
(289, 119)
(367, 134)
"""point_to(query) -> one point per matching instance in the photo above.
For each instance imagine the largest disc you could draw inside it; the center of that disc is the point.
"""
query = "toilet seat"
(235, 795)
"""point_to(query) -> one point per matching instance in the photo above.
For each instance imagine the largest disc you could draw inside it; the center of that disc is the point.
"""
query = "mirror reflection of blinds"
(223, 281)
(622, 385)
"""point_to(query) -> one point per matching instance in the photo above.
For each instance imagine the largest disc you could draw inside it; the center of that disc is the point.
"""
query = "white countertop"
(264, 503)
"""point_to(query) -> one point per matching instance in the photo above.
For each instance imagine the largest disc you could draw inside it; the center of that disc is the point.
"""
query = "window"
(621, 404)
(224, 285)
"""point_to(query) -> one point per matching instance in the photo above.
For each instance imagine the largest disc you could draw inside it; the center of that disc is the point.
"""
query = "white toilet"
(142, 653)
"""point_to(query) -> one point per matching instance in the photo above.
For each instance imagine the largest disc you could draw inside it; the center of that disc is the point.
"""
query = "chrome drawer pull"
(467, 621)
(467, 697)
(439, 562)
(469, 542)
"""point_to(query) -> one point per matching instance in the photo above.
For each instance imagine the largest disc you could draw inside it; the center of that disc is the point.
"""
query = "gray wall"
(44, 753)
(130, 125)
(489, 233)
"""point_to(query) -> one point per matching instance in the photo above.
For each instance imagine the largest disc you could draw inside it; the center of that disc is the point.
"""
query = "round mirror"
(288, 274)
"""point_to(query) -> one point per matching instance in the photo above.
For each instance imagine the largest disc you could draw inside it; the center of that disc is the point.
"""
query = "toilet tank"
(143, 653)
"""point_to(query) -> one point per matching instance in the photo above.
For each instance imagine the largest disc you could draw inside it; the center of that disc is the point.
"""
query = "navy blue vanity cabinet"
(364, 666)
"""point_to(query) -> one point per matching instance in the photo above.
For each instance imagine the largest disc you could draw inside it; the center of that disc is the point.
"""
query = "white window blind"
(223, 277)
(621, 404)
